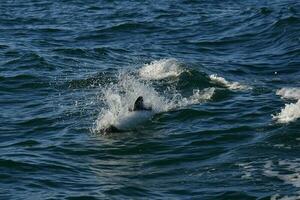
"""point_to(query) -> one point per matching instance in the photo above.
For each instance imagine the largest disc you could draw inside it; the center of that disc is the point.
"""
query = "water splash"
(119, 98)
(161, 69)
(289, 93)
(291, 111)
(231, 85)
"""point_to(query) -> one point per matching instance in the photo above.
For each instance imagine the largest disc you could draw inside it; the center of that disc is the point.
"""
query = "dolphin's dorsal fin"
(139, 104)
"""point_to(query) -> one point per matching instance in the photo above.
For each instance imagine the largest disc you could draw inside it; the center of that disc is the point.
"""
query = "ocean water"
(222, 78)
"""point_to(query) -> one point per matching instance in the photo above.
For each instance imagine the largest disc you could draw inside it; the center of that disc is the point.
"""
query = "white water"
(119, 97)
(165, 68)
(231, 85)
(161, 69)
(291, 111)
(289, 93)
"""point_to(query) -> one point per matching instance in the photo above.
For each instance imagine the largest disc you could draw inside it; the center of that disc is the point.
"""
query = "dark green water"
(222, 78)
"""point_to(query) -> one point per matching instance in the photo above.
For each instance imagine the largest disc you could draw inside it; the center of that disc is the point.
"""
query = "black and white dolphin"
(138, 106)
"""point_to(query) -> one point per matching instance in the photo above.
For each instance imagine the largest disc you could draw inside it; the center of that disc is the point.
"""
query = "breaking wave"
(230, 85)
(291, 111)
(161, 69)
(119, 96)
(289, 93)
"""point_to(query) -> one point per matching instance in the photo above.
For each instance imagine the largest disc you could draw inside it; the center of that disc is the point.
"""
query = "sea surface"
(222, 79)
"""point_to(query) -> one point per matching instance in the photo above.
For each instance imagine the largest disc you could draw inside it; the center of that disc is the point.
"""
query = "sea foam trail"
(161, 69)
(290, 112)
(119, 97)
(231, 85)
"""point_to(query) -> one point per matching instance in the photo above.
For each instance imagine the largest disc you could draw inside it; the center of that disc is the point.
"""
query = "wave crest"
(230, 85)
(291, 112)
(289, 93)
(120, 96)
(161, 69)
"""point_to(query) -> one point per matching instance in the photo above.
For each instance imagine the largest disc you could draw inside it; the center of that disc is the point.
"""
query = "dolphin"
(138, 106)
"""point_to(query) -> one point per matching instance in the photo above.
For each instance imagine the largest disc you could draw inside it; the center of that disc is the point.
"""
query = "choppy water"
(222, 78)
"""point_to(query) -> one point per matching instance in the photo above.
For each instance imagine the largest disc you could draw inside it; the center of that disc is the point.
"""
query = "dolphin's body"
(139, 105)
(137, 111)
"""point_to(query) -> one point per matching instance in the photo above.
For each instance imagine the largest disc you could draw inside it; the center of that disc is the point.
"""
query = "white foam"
(161, 69)
(177, 101)
(289, 93)
(290, 112)
(230, 85)
(119, 97)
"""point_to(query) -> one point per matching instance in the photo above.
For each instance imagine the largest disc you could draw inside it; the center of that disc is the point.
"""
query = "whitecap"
(161, 69)
(291, 111)
(119, 98)
(289, 93)
(228, 84)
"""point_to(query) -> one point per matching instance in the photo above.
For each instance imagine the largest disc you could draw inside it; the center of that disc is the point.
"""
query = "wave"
(161, 69)
(289, 93)
(168, 68)
(291, 111)
(231, 85)
(119, 97)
